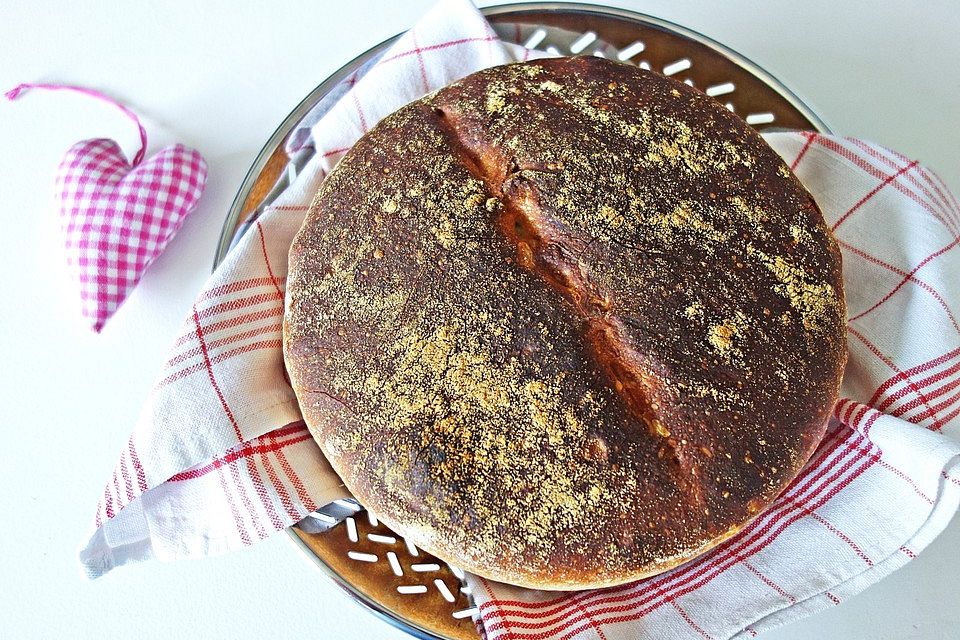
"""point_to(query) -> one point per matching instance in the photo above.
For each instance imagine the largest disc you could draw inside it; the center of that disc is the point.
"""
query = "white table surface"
(220, 76)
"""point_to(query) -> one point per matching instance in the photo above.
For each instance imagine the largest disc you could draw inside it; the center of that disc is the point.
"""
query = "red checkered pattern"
(116, 219)
(883, 483)
(219, 458)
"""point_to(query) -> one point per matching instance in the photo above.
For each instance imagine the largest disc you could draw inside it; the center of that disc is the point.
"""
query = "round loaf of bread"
(566, 323)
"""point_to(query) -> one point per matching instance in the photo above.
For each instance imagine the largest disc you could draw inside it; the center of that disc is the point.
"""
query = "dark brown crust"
(565, 323)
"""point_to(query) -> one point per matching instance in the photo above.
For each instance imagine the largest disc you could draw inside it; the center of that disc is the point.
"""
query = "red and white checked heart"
(881, 486)
(117, 218)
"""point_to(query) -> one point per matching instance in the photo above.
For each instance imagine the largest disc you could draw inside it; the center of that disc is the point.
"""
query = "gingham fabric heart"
(117, 218)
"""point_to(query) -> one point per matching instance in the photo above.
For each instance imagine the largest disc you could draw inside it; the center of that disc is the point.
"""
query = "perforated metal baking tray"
(402, 584)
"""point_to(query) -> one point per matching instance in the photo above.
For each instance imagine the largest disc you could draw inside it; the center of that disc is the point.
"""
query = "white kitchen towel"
(220, 459)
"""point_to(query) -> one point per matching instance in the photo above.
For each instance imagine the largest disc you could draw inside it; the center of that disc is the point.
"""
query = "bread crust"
(565, 323)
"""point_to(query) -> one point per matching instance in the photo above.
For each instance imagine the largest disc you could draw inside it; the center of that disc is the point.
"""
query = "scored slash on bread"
(565, 323)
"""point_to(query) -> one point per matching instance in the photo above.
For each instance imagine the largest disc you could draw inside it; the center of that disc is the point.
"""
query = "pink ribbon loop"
(15, 93)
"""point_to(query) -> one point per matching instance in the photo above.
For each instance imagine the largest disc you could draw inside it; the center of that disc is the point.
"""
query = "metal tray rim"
(283, 129)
